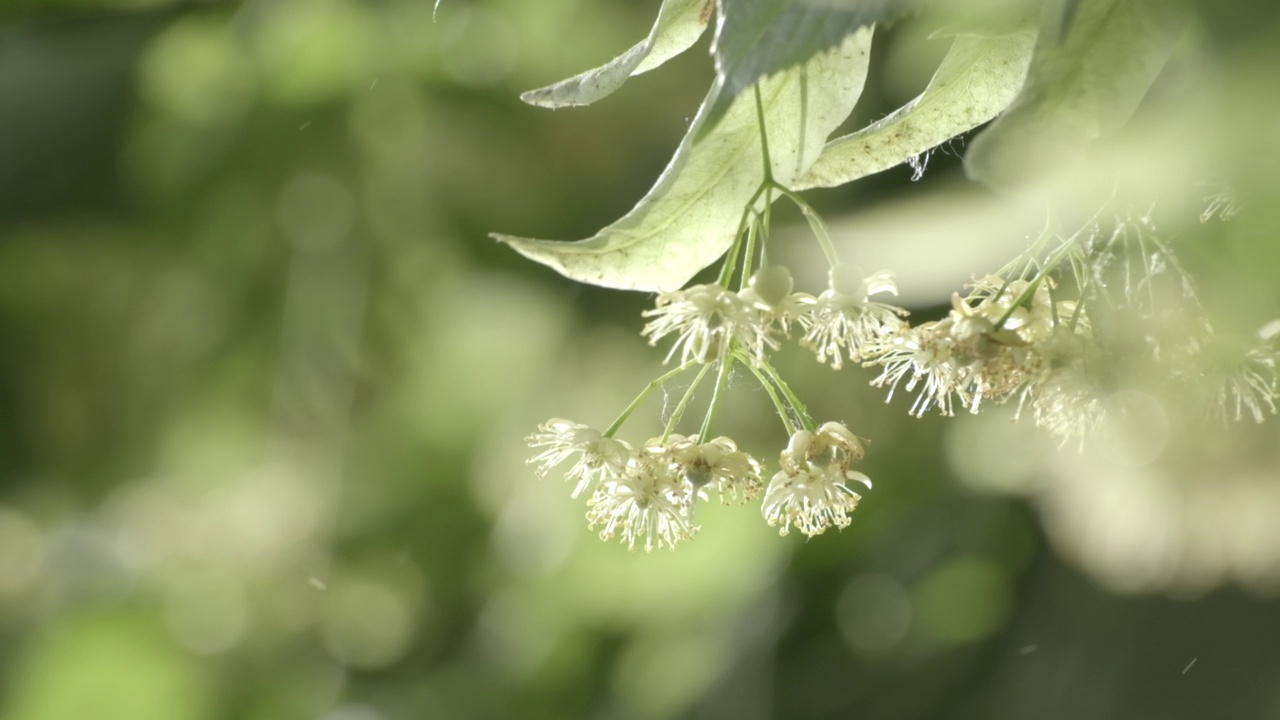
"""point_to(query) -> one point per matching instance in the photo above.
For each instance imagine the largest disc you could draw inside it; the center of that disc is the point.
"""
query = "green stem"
(766, 218)
(773, 394)
(684, 402)
(1076, 314)
(626, 413)
(1147, 268)
(1050, 264)
(796, 404)
(1183, 275)
(730, 260)
(721, 378)
(726, 271)
(1026, 259)
(818, 227)
(749, 254)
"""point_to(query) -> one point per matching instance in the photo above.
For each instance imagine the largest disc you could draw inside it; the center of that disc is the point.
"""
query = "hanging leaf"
(691, 215)
(977, 79)
(756, 38)
(1095, 61)
(679, 25)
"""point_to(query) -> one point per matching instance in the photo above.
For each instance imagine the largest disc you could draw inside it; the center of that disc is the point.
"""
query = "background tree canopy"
(263, 381)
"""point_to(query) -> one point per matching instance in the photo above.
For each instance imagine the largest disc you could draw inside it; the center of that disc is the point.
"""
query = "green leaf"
(757, 38)
(679, 25)
(691, 215)
(977, 79)
(1095, 61)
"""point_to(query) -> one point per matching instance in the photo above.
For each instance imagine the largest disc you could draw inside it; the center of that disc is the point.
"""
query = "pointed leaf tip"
(679, 25)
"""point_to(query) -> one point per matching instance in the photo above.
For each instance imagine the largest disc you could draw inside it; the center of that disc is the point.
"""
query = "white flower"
(838, 322)
(703, 318)
(734, 474)
(812, 499)
(647, 503)
(769, 297)
(811, 491)
(977, 353)
(1250, 379)
(597, 456)
(1065, 403)
(922, 354)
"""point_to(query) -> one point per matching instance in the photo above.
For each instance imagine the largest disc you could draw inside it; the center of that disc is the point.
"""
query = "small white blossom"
(812, 499)
(983, 352)
(703, 318)
(770, 298)
(734, 474)
(648, 503)
(597, 456)
(838, 322)
(812, 490)
(1250, 383)
(923, 355)
(1065, 403)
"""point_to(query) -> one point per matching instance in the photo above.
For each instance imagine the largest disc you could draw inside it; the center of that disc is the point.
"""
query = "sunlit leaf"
(1093, 65)
(756, 38)
(691, 215)
(977, 79)
(679, 25)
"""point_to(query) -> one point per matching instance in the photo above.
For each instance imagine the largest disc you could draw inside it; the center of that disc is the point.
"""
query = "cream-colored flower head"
(811, 491)
(844, 320)
(769, 294)
(598, 457)
(923, 356)
(1245, 383)
(703, 318)
(648, 504)
(719, 464)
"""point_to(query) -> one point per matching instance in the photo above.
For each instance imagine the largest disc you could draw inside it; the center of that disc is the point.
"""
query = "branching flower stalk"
(646, 495)
(1057, 329)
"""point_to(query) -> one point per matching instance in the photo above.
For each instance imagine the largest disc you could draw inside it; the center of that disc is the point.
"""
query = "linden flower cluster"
(811, 491)
(646, 495)
(1061, 329)
(1133, 313)
(981, 351)
(842, 320)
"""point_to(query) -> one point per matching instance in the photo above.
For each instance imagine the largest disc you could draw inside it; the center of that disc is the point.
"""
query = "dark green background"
(264, 379)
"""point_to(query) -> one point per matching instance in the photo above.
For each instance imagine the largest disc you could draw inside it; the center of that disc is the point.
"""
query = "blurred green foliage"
(263, 382)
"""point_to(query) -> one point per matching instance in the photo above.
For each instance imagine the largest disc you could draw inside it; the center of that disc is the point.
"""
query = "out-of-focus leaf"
(679, 25)
(977, 79)
(691, 215)
(756, 38)
(1085, 81)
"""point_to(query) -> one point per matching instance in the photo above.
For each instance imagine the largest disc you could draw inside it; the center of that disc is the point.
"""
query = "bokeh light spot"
(874, 612)
(964, 600)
